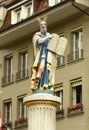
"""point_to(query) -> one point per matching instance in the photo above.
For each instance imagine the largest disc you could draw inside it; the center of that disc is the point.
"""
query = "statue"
(43, 69)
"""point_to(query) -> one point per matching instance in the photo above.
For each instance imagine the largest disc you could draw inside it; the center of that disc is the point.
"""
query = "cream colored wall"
(72, 71)
(21, 87)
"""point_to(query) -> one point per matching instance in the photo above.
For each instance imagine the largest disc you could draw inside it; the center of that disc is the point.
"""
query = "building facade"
(18, 23)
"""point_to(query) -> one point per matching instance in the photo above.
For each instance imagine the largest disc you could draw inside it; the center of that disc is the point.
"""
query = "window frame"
(77, 41)
(22, 8)
(54, 2)
(59, 88)
(14, 13)
(8, 68)
(73, 84)
(23, 60)
(18, 13)
(21, 108)
(27, 6)
(75, 95)
(5, 103)
(60, 60)
(61, 97)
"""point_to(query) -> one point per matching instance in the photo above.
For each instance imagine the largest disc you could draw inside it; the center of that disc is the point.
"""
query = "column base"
(41, 106)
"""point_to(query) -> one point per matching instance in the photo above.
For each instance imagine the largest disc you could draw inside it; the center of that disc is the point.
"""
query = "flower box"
(59, 112)
(20, 121)
(7, 124)
(4, 124)
(75, 108)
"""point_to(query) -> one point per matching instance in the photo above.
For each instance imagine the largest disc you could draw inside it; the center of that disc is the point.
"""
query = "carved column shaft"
(41, 117)
(41, 110)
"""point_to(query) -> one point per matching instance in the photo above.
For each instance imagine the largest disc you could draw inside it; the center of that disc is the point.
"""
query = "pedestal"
(41, 108)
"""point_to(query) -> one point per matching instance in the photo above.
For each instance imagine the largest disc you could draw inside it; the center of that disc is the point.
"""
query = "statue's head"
(43, 25)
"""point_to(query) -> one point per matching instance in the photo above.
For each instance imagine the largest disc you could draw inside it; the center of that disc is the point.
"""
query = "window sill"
(6, 125)
(59, 117)
(60, 114)
(20, 125)
(75, 113)
(6, 84)
(75, 60)
(22, 78)
(60, 66)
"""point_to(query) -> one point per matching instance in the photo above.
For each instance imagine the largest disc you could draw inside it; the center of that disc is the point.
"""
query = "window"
(23, 66)
(18, 15)
(60, 60)
(21, 12)
(77, 44)
(53, 2)
(21, 108)
(29, 10)
(8, 67)
(8, 77)
(57, 1)
(77, 94)
(7, 111)
(59, 93)
(76, 106)
(23, 60)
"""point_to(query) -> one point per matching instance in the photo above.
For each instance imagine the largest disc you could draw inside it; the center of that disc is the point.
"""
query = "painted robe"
(41, 52)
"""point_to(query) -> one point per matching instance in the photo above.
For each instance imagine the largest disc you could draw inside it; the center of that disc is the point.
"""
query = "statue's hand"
(49, 36)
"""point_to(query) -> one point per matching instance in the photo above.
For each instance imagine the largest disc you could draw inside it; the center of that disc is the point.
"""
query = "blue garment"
(44, 51)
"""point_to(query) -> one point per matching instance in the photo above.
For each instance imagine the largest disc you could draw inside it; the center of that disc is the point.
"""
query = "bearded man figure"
(43, 70)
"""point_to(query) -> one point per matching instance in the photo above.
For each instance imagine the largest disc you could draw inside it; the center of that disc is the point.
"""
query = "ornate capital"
(41, 102)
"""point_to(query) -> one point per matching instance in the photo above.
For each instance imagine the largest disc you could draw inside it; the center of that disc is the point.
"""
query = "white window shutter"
(31, 9)
(74, 95)
(61, 94)
(21, 64)
(25, 112)
(20, 112)
(80, 43)
(5, 112)
(26, 63)
(51, 2)
(74, 49)
(10, 111)
(80, 40)
(13, 17)
(23, 12)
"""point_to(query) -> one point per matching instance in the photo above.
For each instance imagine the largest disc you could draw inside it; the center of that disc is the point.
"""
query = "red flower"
(3, 124)
(21, 119)
(57, 110)
(70, 108)
(75, 106)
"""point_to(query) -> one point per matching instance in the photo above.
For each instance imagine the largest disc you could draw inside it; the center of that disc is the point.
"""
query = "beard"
(43, 30)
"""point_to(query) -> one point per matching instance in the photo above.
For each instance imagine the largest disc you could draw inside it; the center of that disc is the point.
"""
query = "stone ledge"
(41, 98)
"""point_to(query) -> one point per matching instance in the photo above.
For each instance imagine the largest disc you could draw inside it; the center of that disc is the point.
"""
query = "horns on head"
(38, 19)
(44, 19)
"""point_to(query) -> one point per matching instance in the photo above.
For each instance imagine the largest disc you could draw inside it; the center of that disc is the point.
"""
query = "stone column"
(41, 108)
